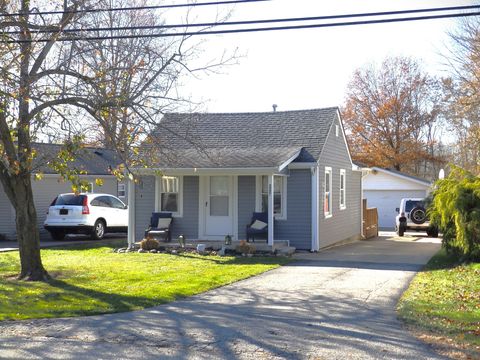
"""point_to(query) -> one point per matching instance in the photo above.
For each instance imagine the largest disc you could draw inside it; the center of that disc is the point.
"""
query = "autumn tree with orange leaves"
(391, 114)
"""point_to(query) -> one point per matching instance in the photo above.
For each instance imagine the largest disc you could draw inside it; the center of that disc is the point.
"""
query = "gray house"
(212, 171)
(96, 161)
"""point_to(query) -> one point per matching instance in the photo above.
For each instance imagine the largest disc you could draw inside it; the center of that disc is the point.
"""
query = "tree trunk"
(27, 231)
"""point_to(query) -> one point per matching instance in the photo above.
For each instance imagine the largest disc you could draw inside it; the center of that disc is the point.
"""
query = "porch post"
(270, 209)
(131, 213)
(315, 208)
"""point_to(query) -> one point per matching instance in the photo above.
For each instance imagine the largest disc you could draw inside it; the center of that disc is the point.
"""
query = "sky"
(305, 69)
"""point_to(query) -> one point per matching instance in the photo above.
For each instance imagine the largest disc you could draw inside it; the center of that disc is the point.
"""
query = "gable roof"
(94, 160)
(235, 140)
(404, 176)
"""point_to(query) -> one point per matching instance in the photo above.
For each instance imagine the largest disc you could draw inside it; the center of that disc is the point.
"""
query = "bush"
(455, 209)
(149, 244)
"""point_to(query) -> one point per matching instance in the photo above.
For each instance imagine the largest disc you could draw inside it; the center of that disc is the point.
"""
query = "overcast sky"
(303, 69)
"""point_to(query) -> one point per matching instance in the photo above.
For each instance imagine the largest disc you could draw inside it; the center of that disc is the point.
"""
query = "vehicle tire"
(98, 230)
(401, 230)
(418, 215)
(57, 235)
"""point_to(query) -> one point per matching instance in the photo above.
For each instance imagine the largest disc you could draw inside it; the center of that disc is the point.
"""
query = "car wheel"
(98, 230)
(57, 235)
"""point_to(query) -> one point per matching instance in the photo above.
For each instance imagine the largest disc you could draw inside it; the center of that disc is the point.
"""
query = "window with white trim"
(121, 190)
(343, 183)
(327, 199)
(279, 196)
(90, 188)
(170, 194)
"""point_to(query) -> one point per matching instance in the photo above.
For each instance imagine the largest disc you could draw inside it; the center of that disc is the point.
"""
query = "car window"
(410, 204)
(69, 199)
(116, 203)
(102, 201)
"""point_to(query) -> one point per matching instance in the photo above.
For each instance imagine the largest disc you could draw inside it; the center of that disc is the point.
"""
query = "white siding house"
(384, 188)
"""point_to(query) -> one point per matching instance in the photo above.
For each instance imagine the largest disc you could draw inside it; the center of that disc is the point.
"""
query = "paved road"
(338, 304)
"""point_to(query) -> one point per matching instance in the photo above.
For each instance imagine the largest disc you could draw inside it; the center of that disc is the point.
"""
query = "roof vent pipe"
(274, 106)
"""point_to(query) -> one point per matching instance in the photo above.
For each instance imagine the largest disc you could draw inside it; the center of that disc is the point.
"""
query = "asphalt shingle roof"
(205, 140)
(96, 161)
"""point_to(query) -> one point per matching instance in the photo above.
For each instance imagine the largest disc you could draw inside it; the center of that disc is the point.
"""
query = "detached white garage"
(384, 188)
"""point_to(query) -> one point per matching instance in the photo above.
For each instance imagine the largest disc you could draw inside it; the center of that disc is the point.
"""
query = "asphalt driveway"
(338, 304)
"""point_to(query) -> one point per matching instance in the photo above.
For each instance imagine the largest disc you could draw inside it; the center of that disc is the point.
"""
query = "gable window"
(327, 199)
(279, 196)
(170, 195)
(121, 190)
(343, 182)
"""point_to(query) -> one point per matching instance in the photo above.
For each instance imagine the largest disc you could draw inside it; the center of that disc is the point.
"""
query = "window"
(90, 188)
(121, 190)
(278, 195)
(117, 204)
(169, 194)
(342, 189)
(102, 201)
(327, 205)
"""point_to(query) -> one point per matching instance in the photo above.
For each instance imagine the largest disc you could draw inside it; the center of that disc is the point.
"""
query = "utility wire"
(249, 30)
(250, 22)
(152, 7)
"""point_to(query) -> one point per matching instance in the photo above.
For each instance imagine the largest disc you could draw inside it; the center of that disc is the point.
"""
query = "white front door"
(219, 206)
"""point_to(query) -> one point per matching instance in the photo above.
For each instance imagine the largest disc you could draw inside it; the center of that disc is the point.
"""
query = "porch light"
(181, 240)
(228, 240)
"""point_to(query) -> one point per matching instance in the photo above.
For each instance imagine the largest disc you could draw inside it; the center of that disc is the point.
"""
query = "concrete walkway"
(338, 304)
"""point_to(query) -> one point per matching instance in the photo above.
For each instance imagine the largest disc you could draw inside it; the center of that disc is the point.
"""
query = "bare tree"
(391, 114)
(122, 85)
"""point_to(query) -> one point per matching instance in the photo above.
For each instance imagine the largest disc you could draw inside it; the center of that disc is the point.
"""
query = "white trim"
(158, 195)
(286, 163)
(235, 208)
(131, 214)
(315, 208)
(88, 176)
(328, 170)
(344, 205)
(344, 137)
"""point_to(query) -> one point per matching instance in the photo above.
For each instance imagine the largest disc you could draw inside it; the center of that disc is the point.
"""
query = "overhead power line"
(261, 21)
(133, 8)
(256, 29)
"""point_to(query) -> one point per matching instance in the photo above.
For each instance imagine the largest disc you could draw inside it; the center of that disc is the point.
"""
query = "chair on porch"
(160, 226)
(258, 225)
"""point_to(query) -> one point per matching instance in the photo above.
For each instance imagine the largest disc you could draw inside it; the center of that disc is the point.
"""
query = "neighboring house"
(214, 170)
(384, 188)
(95, 161)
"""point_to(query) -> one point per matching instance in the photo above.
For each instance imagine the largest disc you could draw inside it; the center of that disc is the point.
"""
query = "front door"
(218, 212)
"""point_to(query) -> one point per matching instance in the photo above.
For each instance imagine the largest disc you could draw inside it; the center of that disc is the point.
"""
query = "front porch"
(207, 205)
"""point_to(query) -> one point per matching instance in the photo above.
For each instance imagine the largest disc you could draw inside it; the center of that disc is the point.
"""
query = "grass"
(444, 300)
(92, 279)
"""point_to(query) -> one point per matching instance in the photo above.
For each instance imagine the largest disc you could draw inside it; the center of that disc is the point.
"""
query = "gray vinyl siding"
(144, 204)
(344, 224)
(298, 226)
(7, 218)
(188, 223)
(246, 203)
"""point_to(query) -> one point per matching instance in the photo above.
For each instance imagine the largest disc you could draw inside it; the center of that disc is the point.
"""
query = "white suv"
(416, 216)
(91, 214)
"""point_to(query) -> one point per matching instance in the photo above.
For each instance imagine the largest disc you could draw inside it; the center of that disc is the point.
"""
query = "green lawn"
(93, 280)
(444, 299)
